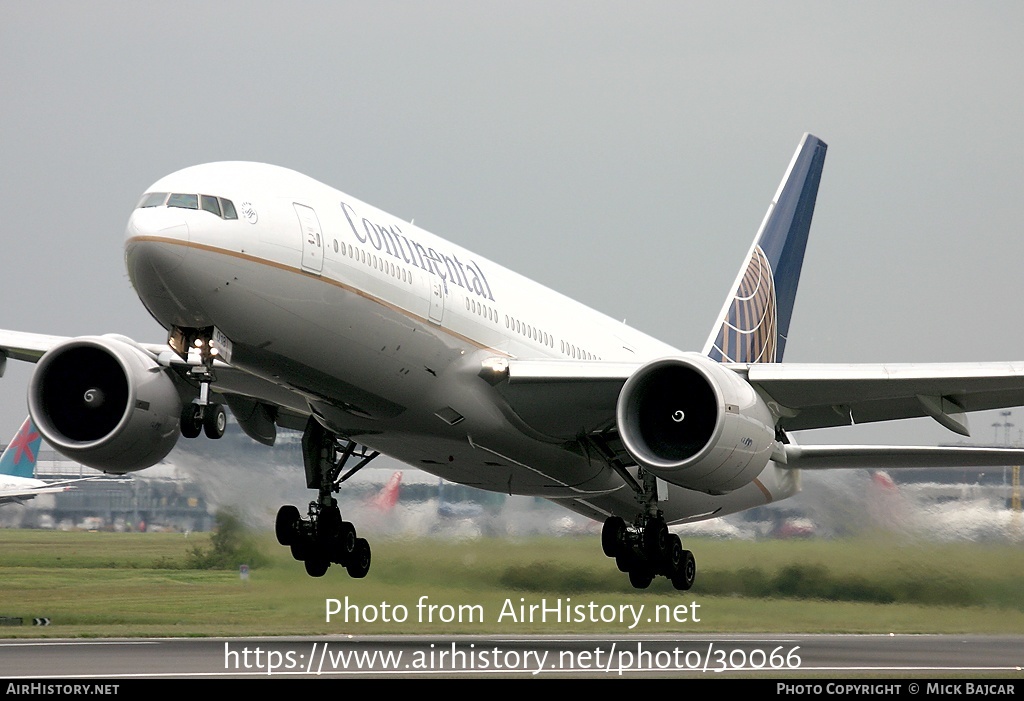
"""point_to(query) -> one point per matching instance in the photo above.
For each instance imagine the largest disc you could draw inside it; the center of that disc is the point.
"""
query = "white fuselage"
(380, 328)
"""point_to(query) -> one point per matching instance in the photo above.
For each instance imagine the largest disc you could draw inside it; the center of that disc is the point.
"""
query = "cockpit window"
(210, 204)
(229, 209)
(223, 208)
(183, 201)
(153, 199)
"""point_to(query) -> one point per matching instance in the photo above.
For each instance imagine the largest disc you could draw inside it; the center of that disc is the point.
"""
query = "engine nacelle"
(105, 403)
(695, 424)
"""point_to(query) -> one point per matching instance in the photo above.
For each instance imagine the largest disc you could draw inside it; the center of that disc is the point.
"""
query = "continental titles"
(388, 238)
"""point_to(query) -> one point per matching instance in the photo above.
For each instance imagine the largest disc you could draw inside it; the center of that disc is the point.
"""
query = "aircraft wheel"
(625, 561)
(345, 544)
(675, 556)
(612, 534)
(656, 541)
(640, 578)
(317, 566)
(284, 526)
(301, 549)
(215, 421)
(191, 421)
(360, 563)
(683, 579)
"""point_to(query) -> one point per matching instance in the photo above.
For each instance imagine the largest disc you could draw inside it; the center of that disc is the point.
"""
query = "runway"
(781, 656)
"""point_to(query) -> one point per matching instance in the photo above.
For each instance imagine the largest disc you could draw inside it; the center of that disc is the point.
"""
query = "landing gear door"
(312, 239)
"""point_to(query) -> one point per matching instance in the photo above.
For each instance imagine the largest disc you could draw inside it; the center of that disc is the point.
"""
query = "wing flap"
(821, 395)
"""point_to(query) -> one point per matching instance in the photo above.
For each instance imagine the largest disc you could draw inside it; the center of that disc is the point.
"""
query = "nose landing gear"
(201, 415)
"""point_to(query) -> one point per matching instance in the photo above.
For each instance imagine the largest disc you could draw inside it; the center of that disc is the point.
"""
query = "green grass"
(110, 584)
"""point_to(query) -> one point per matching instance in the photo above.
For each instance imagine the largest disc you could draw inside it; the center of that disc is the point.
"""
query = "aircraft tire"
(316, 566)
(346, 543)
(284, 525)
(640, 578)
(625, 561)
(215, 421)
(683, 579)
(612, 535)
(657, 544)
(301, 549)
(359, 565)
(191, 423)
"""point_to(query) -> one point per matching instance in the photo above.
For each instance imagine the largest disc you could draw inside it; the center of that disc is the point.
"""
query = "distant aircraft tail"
(754, 322)
(19, 458)
(387, 497)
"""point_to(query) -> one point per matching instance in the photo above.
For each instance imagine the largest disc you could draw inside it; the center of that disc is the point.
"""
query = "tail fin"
(19, 458)
(754, 322)
(387, 497)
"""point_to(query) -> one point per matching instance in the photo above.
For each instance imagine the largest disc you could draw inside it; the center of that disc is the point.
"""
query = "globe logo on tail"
(749, 330)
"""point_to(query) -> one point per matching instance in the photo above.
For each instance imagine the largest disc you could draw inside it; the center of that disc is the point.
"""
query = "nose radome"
(152, 238)
(156, 222)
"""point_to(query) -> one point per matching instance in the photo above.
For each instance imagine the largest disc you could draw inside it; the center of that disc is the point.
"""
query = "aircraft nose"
(149, 223)
(153, 249)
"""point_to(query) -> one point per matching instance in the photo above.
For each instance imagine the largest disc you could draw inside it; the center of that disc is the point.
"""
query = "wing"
(818, 395)
(20, 495)
(29, 347)
(569, 400)
(257, 404)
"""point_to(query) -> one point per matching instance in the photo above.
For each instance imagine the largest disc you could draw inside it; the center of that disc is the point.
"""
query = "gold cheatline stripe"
(316, 276)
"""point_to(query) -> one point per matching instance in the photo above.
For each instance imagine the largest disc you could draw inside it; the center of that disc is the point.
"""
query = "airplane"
(18, 464)
(302, 307)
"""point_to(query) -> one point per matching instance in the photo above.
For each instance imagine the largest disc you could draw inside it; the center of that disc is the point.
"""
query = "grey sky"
(622, 153)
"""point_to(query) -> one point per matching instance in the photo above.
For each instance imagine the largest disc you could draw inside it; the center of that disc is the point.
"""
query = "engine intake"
(105, 403)
(695, 423)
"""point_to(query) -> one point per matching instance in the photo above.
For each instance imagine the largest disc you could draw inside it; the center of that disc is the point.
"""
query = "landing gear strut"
(200, 415)
(325, 538)
(646, 548)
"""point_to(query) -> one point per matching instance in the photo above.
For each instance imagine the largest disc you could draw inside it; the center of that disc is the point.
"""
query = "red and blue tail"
(19, 459)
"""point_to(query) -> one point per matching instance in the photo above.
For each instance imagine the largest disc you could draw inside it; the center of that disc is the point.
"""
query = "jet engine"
(105, 402)
(695, 424)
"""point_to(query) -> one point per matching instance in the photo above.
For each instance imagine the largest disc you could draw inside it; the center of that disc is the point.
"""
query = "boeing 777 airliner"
(299, 306)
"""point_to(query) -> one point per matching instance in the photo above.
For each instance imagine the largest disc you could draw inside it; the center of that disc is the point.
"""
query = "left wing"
(567, 400)
(819, 395)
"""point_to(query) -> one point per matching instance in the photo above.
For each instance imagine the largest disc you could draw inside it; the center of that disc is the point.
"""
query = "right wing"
(258, 404)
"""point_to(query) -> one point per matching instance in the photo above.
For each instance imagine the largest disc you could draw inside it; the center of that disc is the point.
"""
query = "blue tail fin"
(754, 322)
(19, 459)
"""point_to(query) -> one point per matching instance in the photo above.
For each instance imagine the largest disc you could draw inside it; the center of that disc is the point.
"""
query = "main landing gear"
(325, 538)
(646, 548)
